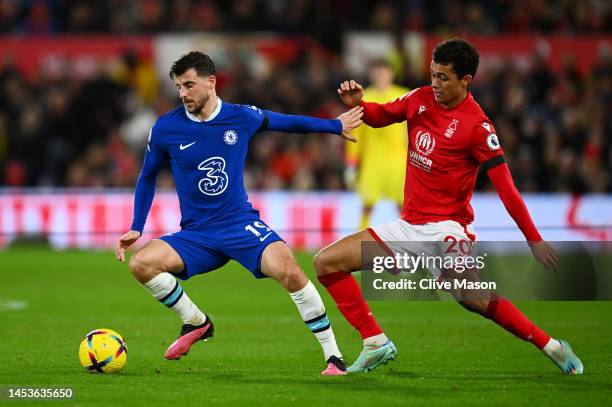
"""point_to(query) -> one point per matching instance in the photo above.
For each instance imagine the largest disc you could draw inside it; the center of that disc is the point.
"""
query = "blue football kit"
(207, 160)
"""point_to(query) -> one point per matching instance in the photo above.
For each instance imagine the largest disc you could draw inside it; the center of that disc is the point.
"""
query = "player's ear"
(467, 80)
(212, 81)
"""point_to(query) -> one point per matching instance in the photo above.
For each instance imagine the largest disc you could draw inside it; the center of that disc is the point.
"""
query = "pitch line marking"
(12, 305)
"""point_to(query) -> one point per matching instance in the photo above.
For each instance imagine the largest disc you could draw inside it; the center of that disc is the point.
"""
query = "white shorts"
(445, 238)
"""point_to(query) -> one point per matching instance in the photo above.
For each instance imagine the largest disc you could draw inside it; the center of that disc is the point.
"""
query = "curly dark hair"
(199, 61)
(460, 54)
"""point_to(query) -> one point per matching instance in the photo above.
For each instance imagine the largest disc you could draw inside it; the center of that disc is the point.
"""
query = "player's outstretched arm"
(288, 123)
(502, 181)
(374, 114)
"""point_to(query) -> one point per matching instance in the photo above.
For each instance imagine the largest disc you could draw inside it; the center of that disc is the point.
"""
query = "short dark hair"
(460, 54)
(199, 61)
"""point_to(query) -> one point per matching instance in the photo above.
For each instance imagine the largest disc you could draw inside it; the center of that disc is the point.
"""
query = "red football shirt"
(446, 148)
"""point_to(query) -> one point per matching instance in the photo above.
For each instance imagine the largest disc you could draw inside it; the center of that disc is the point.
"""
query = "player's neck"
(208, 109)
(455, 102)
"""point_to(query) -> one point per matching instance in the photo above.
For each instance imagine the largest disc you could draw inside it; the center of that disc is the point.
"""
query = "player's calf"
(334, 265)
(476, 306)
(278, 263)
(506, 315)
(150, 266)
(291, 277)
(168, 291)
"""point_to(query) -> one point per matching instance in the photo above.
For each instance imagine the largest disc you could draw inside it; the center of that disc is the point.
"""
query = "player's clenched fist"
(351, 120)
(351, 93)
(126, 241)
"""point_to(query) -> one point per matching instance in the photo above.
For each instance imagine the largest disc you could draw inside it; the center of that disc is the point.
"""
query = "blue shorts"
(242, 238)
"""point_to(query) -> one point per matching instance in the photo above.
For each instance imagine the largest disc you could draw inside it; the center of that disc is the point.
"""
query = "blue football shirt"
(207, 158)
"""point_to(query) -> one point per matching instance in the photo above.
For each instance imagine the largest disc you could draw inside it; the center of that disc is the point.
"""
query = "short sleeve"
(486, 148)
(256, 118)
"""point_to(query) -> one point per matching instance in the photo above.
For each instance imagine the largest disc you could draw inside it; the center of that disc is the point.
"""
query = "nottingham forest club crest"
(230, 137)
(450, 130)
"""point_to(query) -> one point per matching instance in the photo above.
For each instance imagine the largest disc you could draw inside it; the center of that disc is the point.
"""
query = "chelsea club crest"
(230, 137)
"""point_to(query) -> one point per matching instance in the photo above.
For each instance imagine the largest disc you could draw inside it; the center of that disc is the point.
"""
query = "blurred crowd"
(58, 130)
(556, 128)
(67, 130)
(324, 20)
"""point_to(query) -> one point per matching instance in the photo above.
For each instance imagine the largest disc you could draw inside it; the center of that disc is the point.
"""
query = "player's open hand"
(545, 254)
(351, 93)
(350, 120)
(126, 241)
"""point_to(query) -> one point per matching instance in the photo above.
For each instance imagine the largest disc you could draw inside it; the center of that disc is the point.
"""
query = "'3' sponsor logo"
(215, 178)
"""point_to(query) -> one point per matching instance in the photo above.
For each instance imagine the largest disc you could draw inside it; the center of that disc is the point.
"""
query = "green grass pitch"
(262, 353)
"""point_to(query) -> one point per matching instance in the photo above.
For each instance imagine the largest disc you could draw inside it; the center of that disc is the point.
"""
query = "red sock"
(506, 315)
(346, 292)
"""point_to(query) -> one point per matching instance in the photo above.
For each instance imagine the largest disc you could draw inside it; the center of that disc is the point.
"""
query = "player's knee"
(142, 267)
(322, 263)
(282, 267)
(290, 276)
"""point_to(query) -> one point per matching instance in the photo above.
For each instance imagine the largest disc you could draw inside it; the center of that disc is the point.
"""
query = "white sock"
(375, 341)
(312, 310)
(167, 290)
(552, 346)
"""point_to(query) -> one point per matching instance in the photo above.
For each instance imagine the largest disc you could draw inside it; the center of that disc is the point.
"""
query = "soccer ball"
(103, 351)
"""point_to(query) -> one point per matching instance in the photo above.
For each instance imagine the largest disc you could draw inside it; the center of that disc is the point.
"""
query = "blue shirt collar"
(211, 117)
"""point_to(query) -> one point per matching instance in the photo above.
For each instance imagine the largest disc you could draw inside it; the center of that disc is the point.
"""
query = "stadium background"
(82, 82)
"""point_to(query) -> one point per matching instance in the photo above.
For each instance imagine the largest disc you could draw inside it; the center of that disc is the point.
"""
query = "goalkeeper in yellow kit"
(376, 164)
